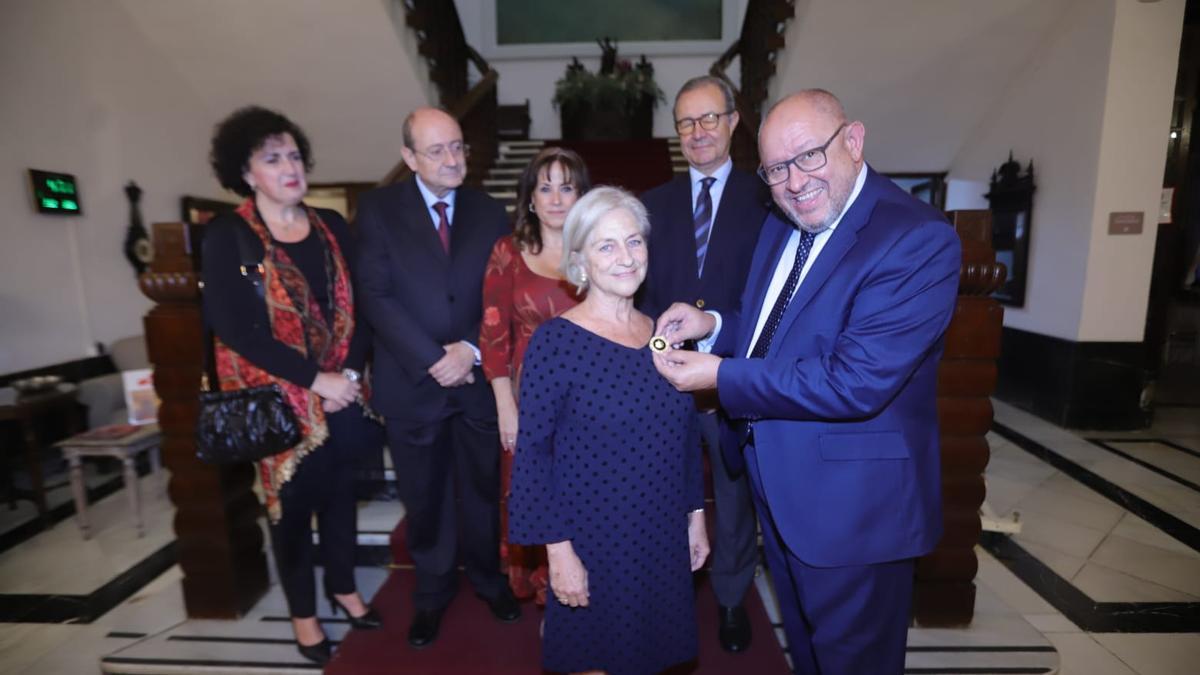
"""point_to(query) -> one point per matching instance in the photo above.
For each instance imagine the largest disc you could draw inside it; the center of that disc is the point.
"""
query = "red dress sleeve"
(496, 329)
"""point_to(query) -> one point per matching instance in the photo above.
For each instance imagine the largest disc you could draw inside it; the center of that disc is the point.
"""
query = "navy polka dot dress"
(608, 456)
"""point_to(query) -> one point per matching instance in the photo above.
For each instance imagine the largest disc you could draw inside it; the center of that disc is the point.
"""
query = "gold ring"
(658, 344)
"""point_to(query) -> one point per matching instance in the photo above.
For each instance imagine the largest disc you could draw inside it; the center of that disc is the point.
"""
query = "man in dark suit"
(424, 244)
(703, 227)
(832, 369)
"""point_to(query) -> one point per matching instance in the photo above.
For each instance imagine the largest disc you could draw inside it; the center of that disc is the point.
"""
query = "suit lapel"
(776, 231)
(682, 207)
(418, 220)
(840, 242)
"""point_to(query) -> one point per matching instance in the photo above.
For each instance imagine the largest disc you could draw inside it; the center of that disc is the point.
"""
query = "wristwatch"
(352, 374)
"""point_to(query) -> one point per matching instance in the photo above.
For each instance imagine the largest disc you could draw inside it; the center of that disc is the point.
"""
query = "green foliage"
(626, 88)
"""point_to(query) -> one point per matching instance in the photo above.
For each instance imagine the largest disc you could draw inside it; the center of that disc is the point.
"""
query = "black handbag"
(243, 425)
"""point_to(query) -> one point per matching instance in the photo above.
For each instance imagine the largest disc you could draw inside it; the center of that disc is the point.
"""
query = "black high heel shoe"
(319, 653)
(368, 621)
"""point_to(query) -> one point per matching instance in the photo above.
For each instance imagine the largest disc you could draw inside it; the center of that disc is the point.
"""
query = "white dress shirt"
(430, 200)
(784, 267)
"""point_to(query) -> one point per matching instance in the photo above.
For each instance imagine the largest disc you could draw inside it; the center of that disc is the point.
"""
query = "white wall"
(1133, 145)
(130, 89)
(920, 74)
(1050, 111)
(1090, 106)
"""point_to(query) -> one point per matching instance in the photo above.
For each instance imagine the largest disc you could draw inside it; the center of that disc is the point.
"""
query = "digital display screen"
(55, 192)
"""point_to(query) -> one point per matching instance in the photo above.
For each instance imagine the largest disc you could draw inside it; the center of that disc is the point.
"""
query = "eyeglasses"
(807, 161)
(707, 121)
(438, 153)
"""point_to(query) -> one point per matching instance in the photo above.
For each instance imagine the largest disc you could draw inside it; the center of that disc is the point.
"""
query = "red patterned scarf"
(297, 321)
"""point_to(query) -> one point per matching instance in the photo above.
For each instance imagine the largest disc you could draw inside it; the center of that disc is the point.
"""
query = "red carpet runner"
(636, 166)
(471, 642)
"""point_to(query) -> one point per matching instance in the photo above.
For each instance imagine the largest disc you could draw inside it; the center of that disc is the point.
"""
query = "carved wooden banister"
(756, 47)
(442, 42)
(219, 541)
(945, 592)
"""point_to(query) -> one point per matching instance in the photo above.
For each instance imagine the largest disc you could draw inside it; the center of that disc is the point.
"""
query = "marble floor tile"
(1061, 483)
(379, 516)
(1150, 563)
(1051, 623)
(1165, 457)
(1154, 654)
(1019, 465)
(1002, 583)
(1004, 494)
(39, 566)
(1136, 529)
(1065, 566)
(1050, 530)
(1079, 654)
(58, 491)
(1107, 585)
(1050, 502)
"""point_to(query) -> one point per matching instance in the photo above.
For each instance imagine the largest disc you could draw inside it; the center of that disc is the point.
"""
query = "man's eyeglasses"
(708, 121)
(807, 161)
(438, 153)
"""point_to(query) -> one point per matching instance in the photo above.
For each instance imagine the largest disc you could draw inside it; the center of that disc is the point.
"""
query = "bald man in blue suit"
(831, 369)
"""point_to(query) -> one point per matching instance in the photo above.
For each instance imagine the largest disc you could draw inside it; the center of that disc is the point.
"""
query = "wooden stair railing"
(218, 538)
(945, 590)
(757, 48)
(442, 43)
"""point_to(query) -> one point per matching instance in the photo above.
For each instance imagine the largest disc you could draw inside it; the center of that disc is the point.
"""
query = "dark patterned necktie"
(702, 220)
(785, 296)
(443, 225)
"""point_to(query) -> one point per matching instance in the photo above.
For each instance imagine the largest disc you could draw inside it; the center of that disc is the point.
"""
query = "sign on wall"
(55, 192)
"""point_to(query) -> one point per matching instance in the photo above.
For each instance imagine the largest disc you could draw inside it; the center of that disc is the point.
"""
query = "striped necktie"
(702, 221)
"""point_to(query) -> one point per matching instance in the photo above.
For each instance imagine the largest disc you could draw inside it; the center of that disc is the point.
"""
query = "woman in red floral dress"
(521, 289)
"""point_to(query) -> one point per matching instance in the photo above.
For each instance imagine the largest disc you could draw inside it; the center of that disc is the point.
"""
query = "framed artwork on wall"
(1011, 199)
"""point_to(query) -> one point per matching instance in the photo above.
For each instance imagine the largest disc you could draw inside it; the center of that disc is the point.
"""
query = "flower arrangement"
(626, 88)
(620, 85)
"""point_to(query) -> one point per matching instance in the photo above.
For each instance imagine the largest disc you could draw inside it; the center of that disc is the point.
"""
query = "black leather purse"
(243, 425)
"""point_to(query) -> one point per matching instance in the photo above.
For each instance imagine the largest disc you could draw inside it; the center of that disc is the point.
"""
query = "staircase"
(513, 156)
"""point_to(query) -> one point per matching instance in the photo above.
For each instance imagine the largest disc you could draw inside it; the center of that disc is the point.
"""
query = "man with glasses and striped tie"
(703, 227)
(831, 371)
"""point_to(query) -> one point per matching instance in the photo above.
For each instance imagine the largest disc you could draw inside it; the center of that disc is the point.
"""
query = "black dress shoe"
(318, 653)
(504, 606)
(733, 628)
(368, 621)
(424, 628)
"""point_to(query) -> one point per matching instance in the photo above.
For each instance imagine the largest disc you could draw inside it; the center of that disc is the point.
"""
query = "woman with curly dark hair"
(278, 297)
(522, 287)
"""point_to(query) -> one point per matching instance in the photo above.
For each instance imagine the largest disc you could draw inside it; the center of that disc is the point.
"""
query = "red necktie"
(443, 225)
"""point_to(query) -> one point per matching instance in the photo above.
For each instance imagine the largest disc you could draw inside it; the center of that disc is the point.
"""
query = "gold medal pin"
(658, 344)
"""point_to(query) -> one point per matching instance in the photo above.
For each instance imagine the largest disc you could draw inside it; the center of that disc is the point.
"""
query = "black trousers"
(323, 484)
(734, 538)
(448, 476)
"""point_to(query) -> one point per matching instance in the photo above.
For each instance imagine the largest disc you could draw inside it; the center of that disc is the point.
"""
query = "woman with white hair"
(607, 472)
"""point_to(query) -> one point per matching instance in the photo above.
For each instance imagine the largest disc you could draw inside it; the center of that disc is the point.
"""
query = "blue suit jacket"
(843, 406)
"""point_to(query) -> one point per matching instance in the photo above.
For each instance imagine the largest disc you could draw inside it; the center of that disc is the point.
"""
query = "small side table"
(98, 443)
(24, 409)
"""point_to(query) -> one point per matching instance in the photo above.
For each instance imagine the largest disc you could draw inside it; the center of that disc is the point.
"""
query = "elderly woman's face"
(614, 255)
(553, 196)
(276, 171)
